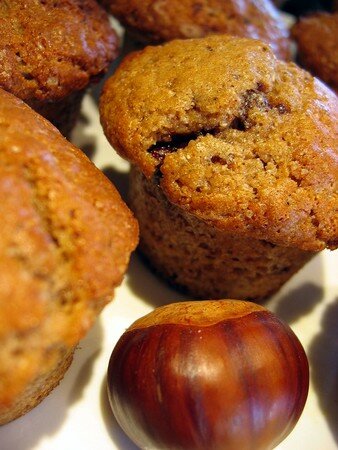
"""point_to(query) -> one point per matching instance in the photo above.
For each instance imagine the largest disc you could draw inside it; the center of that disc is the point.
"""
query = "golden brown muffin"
(163, 20)
(51, 51)
(317, 40)
(235, 157)
(66, 237)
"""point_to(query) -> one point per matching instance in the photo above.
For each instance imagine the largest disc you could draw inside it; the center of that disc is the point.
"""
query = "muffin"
(164, 20)
(51, 51)
(234, 158)
(319, 55)
(66, 237)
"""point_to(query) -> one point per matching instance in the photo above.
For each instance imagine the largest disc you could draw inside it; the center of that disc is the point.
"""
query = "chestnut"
(211, 375)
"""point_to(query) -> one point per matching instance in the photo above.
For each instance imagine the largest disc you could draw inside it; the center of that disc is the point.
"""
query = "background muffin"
(163, 20)
(235, 172)
(65, 242)
(317, 40)
(51, 51)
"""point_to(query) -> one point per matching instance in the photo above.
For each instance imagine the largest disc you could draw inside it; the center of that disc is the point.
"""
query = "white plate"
(76, 415)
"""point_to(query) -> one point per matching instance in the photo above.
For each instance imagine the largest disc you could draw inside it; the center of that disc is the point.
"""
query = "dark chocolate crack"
(176, 142)
(253, 98)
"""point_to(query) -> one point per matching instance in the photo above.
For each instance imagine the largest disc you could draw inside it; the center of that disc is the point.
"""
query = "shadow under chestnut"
(323, 356)
(301, 294)
(298, 298)
(299, 302)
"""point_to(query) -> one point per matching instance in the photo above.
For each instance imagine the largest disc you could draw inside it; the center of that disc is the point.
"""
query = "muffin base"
(63, 114)
(201, 260)
(38, 389)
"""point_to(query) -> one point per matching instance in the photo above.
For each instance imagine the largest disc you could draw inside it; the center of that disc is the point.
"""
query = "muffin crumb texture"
(65, 242)
(202, 261)
(242, 141)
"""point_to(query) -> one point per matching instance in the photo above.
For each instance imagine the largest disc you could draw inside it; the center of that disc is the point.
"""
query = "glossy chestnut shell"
(211, 375)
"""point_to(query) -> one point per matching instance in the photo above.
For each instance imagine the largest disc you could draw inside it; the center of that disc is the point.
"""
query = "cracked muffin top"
(319, 55)
(164, 20)
(232, 135)
(65, 241)
(48, 49)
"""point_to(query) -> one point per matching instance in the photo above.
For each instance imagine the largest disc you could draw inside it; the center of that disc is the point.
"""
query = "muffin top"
(163, 20)
(317, 39)
(49, 49)
(65, 242)
(242, 141)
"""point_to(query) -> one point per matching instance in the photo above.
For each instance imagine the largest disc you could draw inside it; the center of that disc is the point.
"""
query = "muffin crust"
(66, 237)
(163, 20)
(50, 51)
(317, 40)
(244, 142)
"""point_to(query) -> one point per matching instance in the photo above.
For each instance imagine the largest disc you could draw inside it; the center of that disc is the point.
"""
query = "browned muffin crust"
(65, 242)
(317, 40)
(163, 20)
(240, 140)
(48, 49)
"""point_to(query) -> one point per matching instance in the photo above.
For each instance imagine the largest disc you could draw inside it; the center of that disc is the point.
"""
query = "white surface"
(77, 416)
